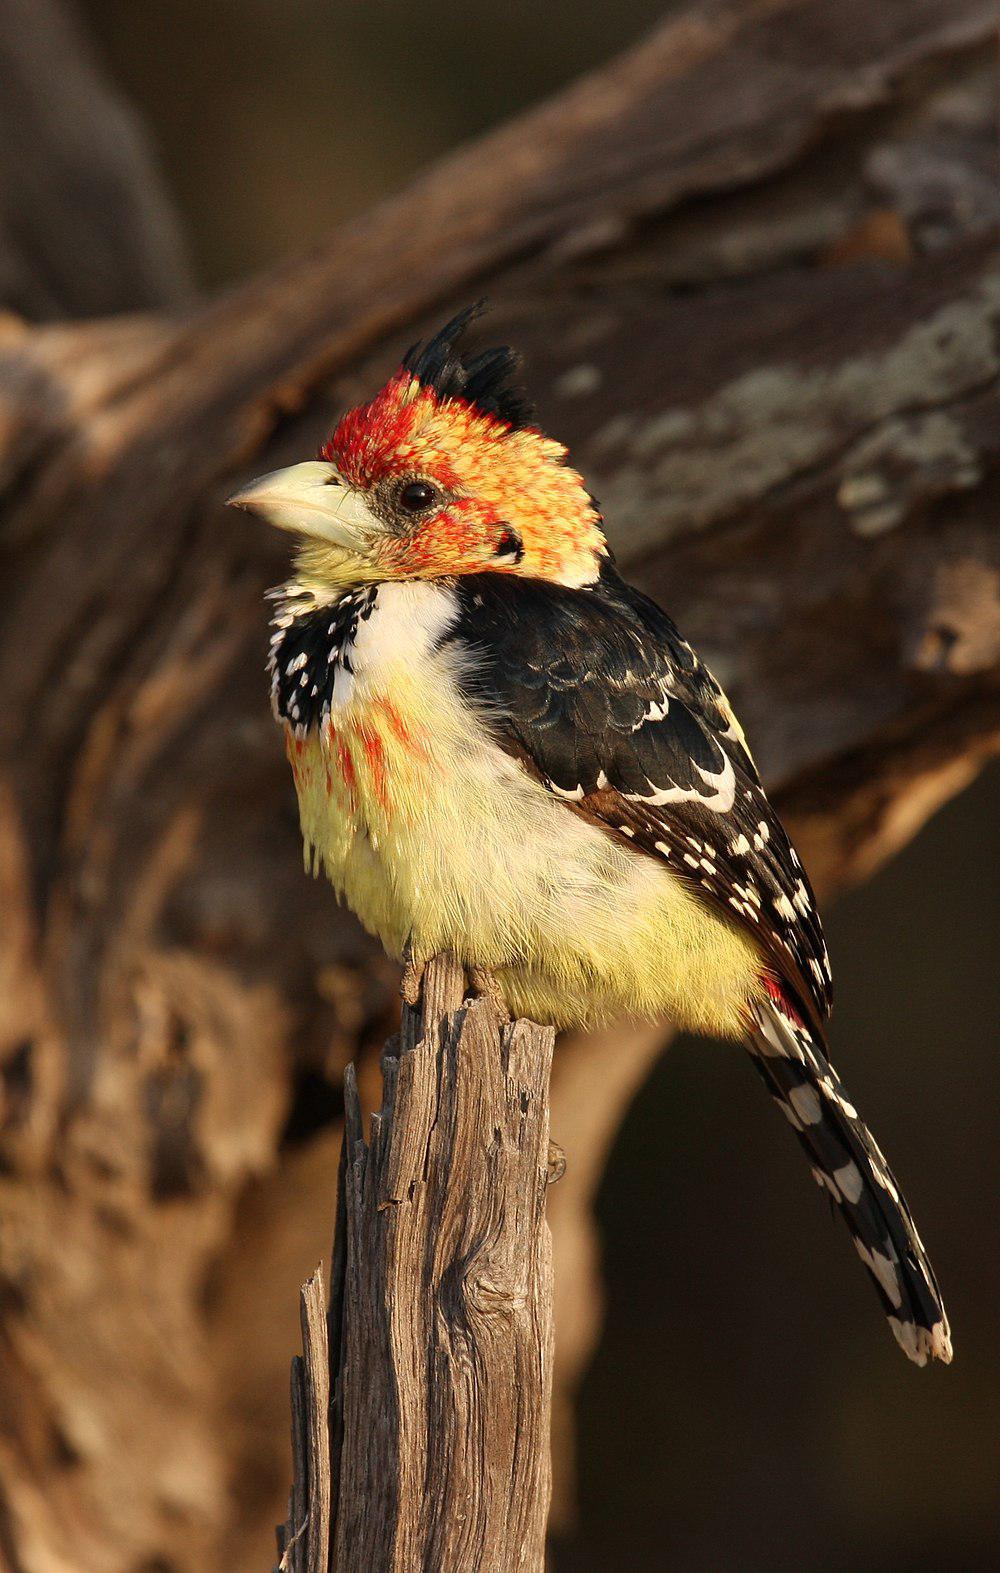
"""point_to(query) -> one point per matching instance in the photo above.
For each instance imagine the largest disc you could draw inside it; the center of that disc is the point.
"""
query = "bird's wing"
(597, 694)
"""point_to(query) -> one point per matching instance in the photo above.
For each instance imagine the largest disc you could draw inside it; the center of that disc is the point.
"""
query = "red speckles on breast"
(345, 764)
(361, 756)
(374, 750)
(403, 732)
(294, 749)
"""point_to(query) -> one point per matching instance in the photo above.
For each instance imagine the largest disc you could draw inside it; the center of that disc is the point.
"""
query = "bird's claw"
(555, 1168)
(487, 987)
(413, 978)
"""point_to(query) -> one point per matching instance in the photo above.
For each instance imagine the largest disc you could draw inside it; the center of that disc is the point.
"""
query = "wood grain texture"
(304, 1538)
(445, 1363)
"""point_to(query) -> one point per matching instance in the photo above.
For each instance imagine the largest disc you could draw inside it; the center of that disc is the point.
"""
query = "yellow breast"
(433, 835)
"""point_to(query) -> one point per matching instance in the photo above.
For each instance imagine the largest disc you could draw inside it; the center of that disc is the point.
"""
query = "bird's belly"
(433, 835)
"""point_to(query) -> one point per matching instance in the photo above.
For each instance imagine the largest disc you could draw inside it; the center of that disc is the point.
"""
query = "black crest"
(484, 380)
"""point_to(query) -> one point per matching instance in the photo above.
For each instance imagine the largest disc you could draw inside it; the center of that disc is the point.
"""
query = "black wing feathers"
(596, 691)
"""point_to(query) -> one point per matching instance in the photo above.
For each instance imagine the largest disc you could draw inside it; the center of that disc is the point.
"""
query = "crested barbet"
(503, 750)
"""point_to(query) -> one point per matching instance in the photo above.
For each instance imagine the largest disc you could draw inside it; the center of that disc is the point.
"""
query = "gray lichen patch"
(901, 461)
(872, 418)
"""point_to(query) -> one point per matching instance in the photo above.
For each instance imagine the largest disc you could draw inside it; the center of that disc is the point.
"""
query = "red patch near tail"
(778, 996)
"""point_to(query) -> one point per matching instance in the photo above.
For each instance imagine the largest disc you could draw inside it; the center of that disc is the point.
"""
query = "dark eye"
(417, 495)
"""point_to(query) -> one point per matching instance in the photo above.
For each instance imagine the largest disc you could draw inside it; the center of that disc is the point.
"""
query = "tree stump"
(429, 1445)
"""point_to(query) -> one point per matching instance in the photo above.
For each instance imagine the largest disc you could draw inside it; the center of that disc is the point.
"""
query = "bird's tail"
(847, 1163)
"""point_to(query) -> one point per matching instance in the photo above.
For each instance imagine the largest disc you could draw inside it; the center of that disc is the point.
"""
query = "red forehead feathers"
(461, 423)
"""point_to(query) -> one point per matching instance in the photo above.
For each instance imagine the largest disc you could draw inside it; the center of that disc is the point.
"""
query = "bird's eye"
(416, 496)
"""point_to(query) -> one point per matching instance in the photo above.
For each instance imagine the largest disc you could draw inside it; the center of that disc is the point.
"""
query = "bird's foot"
(413, 977)
(556, 1166)
(485, 984)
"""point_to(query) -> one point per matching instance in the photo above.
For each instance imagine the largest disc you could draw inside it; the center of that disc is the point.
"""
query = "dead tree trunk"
(441, 1319)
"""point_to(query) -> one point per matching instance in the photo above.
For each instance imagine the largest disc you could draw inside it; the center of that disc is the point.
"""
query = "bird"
(503, 750)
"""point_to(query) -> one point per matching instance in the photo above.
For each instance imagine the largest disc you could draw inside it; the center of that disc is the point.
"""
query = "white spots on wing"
(783, 907)
(884, 1271)
(800, 898)
(849, 1180)
(805, 1102)
(708, 866)
(692, 862)
(827, 1084)
(774, 1042)
(825, 1183)
(749, 893)
(920, 1342)
(787, 1112)
(762, 830)
(917, 1342)
(817, 971)
(740, 847)
(880, 1170)
(602, 781)
(571, 794)
(296, 665)
(719, 800)
(655, 711)
(627, 830)
(661, 846)
(905, 1334)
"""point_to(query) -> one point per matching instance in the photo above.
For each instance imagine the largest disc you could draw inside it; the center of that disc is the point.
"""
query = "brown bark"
(754, 269)
(85, 226)
(441, 1327)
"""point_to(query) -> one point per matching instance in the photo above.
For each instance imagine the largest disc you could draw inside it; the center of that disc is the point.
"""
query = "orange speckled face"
(460, 491)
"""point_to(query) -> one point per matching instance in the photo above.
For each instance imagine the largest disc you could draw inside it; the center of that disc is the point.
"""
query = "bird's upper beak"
(311, 499)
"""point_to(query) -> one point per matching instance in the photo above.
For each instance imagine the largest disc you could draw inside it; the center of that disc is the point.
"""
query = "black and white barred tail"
(847, 1163)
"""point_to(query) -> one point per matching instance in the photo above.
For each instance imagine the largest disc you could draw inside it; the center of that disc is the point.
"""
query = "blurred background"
(745, 1408)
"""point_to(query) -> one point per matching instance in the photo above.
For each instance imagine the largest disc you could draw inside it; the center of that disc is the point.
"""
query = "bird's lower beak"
(311, 499)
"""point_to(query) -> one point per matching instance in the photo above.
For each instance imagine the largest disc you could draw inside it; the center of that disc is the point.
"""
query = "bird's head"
(442, 473)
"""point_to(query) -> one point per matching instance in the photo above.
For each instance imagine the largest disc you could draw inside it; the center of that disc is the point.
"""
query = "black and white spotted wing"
(596, 691)
(309, 645)
(847, 1162)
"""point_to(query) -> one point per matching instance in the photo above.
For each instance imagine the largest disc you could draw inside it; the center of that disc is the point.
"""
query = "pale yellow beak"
(312, 499)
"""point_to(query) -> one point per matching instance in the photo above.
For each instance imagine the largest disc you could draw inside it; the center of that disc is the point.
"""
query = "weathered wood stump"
(428, 1445)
